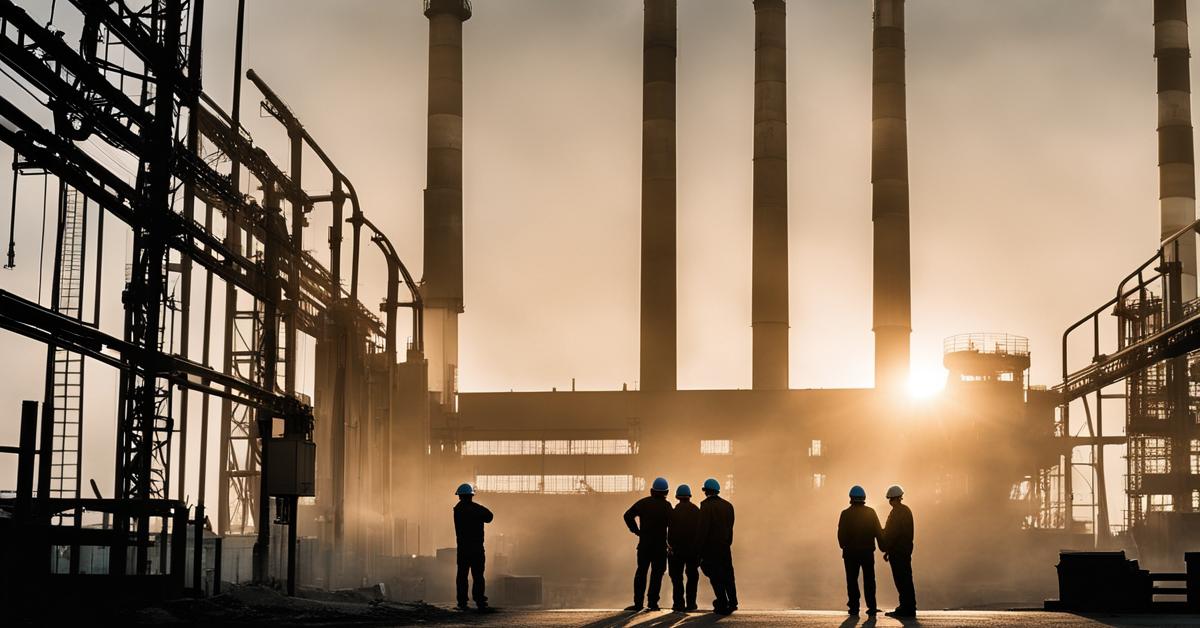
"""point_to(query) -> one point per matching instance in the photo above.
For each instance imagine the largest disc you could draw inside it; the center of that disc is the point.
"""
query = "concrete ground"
(938, 619)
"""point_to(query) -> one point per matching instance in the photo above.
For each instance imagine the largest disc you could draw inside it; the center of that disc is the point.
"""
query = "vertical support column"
(442, 285)
(769, 305)
(889, 201)
(275, 236)
(1176, 159)
(658, 307)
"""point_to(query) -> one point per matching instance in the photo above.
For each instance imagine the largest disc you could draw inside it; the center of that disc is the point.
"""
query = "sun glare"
(926, 383)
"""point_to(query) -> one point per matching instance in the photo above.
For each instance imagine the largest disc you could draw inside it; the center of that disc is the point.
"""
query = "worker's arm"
(889, 532)
(631, 519)
(878, 530)
(731, 525)
(842, 530)
(486, 514)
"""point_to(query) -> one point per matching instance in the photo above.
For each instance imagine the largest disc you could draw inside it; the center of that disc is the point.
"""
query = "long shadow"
(616, 620)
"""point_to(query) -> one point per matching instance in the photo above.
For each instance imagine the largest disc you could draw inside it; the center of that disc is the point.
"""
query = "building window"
(502, 448)
(1195, 456)
(818, 480)
(728, 487)
(814, 450)
(559, 484)
(1156, 455)
(716, 447)
(592, 447)
(508, 483)
(1160, 503)
(1196, 499)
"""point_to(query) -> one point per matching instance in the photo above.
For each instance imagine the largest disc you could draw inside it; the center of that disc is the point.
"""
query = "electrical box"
(291, 467)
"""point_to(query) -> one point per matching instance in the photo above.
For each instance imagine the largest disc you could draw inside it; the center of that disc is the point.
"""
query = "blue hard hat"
(711, 484)
(857, 492)
(660, 484)
(465, 489)
(683, 491)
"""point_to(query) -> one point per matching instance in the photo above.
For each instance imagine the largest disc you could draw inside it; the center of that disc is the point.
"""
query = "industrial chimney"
(769, 296)
(658, 197)
(1176, 162)
(889, 199)
(442, 285)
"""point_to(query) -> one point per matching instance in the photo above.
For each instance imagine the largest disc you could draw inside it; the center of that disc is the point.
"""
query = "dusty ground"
(262, 606)
(932, 619)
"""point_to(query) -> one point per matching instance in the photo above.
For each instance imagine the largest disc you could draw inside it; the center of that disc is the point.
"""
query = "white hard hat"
(895, 491)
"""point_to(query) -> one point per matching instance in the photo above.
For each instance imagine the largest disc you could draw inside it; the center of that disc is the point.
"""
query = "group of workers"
(689, 539)
(685, 539)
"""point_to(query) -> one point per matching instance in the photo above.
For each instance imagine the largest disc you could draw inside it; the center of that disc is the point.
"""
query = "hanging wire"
(12, 218)
(42, 250)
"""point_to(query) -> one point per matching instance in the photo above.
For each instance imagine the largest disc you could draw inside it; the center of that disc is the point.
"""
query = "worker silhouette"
(858, 531)
(898, 549)
(469, 519)
(682, 558)
(648, 519)
(714, 540)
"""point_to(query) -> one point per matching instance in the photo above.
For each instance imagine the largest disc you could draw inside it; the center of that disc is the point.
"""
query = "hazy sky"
(1032, 151)
(1033, 160)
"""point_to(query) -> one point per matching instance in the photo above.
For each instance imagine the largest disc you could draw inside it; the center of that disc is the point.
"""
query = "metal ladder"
(67, 443)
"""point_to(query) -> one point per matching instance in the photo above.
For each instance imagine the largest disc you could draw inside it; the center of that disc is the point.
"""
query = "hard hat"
(858, 493)
(711, 484)
(465, 489)
(660, 484)
(895, 491)
(683, 491)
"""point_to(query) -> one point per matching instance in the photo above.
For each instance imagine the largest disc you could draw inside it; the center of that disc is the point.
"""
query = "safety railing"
(997, 343)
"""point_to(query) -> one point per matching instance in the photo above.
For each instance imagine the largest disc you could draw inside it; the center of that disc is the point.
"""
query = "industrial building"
(229, 278)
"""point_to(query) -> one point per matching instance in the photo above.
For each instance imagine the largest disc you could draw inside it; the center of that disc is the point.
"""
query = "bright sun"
(924, 383)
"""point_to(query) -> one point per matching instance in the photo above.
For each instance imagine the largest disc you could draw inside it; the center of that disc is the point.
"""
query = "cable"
(42, 251)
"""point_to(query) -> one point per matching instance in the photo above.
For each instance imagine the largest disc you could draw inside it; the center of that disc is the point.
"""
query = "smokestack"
(769, 304)
(658, 197)
(1176, 162)
(442, 285)
(889, 200)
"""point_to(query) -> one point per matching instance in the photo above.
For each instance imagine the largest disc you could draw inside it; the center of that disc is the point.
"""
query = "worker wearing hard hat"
(898, 549)
(858, 531)
(715, 542)
(648, 519)
(469, 519)
(682, 559)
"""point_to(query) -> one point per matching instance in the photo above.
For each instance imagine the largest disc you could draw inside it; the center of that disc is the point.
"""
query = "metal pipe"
(892, 293)
(657, 370)
(1176, 158)
(769, 309)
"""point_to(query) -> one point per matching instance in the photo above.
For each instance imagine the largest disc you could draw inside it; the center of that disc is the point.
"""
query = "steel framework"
(151, 110)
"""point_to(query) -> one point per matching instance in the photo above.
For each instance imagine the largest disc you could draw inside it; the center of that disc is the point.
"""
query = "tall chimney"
(1176, 162)
(769, 297)
(658, 197)
(442, 285)
(889, 199)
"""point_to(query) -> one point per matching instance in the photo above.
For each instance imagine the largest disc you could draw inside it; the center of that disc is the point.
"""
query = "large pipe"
(1176, 161)
(658, 308)
(889, 201)
(769, 298)
(442, 284)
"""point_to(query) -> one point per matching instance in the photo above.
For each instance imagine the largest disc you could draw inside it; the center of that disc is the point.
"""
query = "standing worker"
(898, 549)
(682, 559)
(858, 530)
(715, 543)
(653, 513)
(469, 519)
